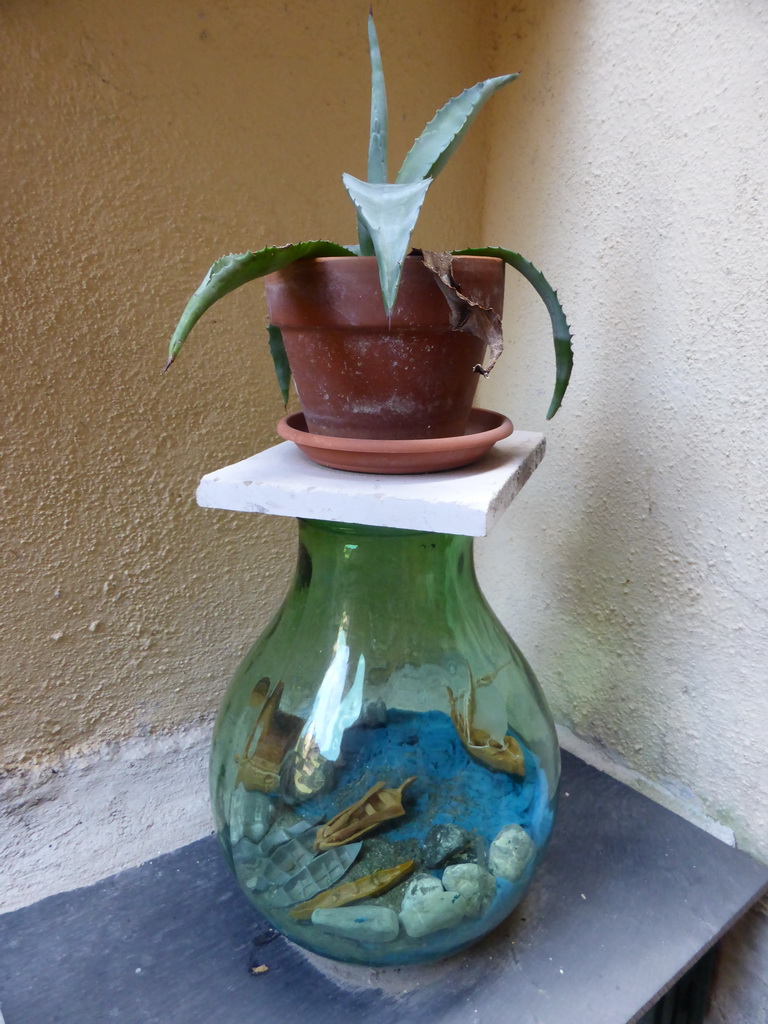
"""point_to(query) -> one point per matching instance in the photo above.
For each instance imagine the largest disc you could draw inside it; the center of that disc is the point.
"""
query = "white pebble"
(428, 908)
(475, 884)
(250, 814)
(363, 923)
(510, 853)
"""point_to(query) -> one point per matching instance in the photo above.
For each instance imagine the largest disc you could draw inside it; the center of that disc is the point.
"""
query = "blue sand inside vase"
(450, 786)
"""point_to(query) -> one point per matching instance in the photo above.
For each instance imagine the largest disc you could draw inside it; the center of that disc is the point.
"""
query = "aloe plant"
(386, 215)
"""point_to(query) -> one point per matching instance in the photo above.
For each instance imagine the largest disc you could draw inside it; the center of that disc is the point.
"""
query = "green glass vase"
(384, 767)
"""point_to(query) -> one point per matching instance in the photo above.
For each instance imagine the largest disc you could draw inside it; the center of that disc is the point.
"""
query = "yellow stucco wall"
(140, 141)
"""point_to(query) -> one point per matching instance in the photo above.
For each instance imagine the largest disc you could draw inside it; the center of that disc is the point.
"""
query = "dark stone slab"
(628, 898)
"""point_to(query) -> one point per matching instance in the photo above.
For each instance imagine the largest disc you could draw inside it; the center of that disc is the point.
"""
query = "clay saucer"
(423, 455)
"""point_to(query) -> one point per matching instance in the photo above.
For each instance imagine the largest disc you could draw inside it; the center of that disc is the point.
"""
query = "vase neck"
(384, 566)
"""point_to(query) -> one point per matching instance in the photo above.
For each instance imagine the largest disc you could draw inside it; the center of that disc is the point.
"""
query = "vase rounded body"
(384, 768)
(360, 373)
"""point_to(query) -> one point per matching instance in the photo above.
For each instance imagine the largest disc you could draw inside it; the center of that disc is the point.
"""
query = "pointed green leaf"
(377, 146)
(365, 244)
(389, 213)
(230, 272)
(279, 360)
(437, 143)
(561, 332)
(377, 142)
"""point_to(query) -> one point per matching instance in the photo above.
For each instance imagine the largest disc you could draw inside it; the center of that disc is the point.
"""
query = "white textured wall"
(630, 162)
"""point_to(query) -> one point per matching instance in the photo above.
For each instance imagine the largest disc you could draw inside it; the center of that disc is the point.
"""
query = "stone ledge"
(76, 821)
(282, 482)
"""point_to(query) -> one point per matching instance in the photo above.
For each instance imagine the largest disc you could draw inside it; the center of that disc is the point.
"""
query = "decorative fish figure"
(273, 733)
(504, 755)
(315, 876)
(287, 860)
(281, 833)
(283, 851)
(377, 806)
(371, 885)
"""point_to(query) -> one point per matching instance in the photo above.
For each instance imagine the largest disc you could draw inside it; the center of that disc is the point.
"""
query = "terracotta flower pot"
(358, 374)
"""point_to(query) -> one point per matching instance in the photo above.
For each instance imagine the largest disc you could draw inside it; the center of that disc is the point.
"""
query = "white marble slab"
(282, 482)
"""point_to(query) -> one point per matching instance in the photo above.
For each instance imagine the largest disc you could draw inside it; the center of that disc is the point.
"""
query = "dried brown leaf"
(466, 315)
